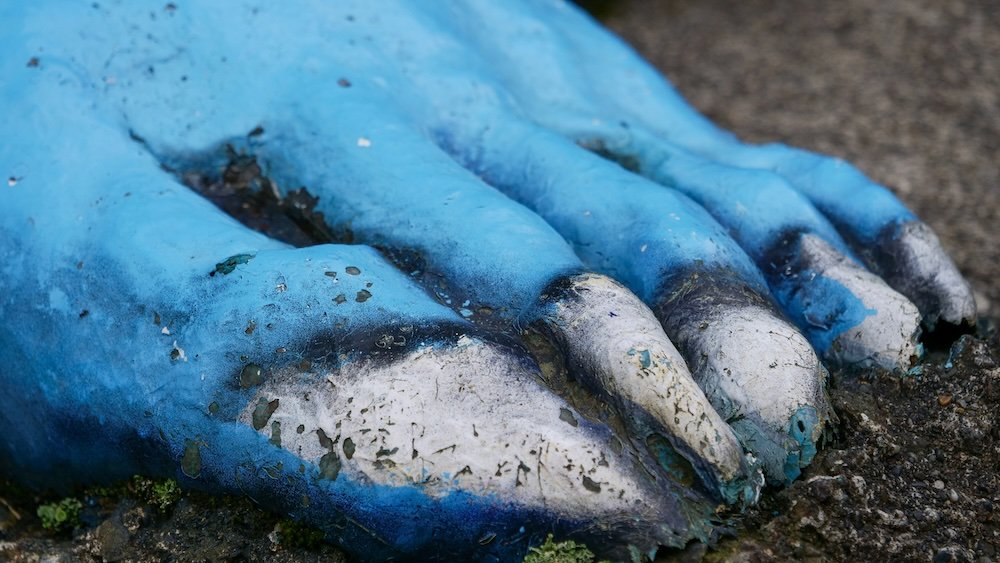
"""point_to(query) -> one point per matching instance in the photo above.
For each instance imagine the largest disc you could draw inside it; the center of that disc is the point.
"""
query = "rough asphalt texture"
(909, 92)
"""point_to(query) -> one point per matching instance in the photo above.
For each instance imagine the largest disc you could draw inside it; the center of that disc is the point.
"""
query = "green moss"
(61, 515)
(563, 552)
(162, 494)
(114, 491)
(166, 493)
(292, 534)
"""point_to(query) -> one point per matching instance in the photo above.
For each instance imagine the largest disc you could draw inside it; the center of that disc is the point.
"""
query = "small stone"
(822, 489)
(939, 484)
(858, 485)
(952, 495)
(931, 515)
(135, 518)
(944, 400)
(950, 554)
(896, 520)
(112, 540)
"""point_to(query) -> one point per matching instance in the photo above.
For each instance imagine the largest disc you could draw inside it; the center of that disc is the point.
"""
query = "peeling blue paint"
(123, 89)
(822, 307)
(365, 104)
(800, 428)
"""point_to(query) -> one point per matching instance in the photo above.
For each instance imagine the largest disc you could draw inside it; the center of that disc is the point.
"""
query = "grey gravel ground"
(910, 92)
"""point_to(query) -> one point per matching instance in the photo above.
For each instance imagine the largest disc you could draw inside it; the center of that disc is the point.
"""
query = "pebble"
(944, 400)
(953, 495)
(822, 489)
(931, 515)
(858, 485)
(939, 484)
(112, 539)
(135, 518)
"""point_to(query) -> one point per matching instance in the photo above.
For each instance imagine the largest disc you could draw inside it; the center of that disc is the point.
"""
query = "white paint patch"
(447, 418)
(364, 142)
(58, 300)
(887, 338)
(611, 334)
(931, 270)
(755, 366)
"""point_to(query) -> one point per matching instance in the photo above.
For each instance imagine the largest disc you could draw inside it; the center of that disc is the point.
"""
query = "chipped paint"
(108, 116)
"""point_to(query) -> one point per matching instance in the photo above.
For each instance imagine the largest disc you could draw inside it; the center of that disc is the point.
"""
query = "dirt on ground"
(910, 92)
(912, 476)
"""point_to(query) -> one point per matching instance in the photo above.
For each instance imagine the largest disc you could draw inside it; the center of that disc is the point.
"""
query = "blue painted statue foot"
(407, 195)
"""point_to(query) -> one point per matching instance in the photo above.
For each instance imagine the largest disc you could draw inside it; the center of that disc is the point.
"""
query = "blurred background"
(909, 91)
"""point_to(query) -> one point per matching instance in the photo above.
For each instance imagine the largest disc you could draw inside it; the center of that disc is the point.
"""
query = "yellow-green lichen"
(562, 552)
(61, 515)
